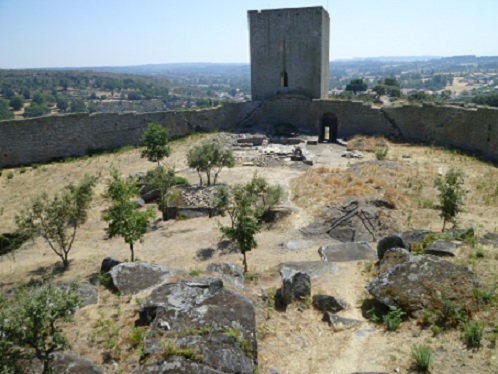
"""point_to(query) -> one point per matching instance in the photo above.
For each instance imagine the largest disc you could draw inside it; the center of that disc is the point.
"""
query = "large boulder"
(132, 277)
(296, 286)
(229, 272)
(200, 315)
(313, 268)
(442, 248)
(389, 242)
(413, 237)
(339, 323)
(107, 264)
(425, 282)
(344, 252)
(393, 257)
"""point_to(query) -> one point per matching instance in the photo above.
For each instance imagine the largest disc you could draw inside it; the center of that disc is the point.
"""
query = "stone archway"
(329, 128)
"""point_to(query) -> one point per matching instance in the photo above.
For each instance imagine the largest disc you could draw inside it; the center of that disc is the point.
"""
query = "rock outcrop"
(197, 326)
(425, 282)
(344, 252)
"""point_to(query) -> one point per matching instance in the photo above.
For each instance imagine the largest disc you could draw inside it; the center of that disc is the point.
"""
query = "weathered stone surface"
(442, 248)
(176, 365)
(389, 242)
(133, 277)
(88, 294)
(393, 257)
(149, 194)
(107, 264)
(313, 268)
(326, 303)
(186, 308)
(424, 282)
(339, 323)
(229, 272)
(490, 239)
(67, 363)
(412, 237)
(296, 285)
(344, 252)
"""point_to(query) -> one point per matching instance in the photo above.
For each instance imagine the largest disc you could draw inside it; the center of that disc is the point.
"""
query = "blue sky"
(78, 33)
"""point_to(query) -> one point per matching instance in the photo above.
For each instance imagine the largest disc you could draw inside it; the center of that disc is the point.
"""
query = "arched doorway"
(328, 131)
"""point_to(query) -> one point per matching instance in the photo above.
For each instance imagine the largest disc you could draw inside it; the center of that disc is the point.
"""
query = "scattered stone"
(294, 244)
(389, 242)
(139, 203)
(326, 303)
(296, 285)
(230, 273)
(339, 323)
(352, 155)
(67, 363)
(413, 237)
(149, 194)
(312, 268)
(442, 248)
(490, 239)
(425, 282)
(393, 257)
(132, 277)
(107, 264)
(344, 252)
(87, 293)
(363, 332)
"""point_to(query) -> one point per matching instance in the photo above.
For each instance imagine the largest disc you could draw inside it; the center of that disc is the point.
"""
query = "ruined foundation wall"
(43, 139)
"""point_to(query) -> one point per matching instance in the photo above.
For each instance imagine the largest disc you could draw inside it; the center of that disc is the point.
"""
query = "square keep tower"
(289, 52)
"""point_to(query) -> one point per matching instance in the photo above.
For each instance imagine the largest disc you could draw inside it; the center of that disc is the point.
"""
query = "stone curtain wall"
(39, 140)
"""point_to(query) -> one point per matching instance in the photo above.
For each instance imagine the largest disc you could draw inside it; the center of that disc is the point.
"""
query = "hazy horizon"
(62, 34)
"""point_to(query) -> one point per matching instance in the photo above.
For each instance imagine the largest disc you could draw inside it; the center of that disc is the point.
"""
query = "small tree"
(123, 216)
(246, 207)
(30, 319)
(244, 222)
(451, 195)
(155, 140)
(161, 179)
(57, 220)
(210, 158)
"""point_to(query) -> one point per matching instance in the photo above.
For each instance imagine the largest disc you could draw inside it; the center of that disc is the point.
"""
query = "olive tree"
(155, 140)
(30, 319)
(210, 158)
(123, 216)
(58, 219)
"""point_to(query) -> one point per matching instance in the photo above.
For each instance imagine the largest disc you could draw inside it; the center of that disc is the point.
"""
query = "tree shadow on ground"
(224, 247)
(49, 271)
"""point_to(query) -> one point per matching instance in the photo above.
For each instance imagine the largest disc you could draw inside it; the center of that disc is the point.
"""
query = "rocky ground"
(337, 199)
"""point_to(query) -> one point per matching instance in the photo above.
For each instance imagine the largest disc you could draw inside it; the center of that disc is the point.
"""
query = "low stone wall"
(43, 139)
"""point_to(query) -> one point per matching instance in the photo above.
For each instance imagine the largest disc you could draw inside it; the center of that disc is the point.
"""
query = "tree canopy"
(155, 140)
(58, 219)
(210, 158)
(357, 85)
(123, 216)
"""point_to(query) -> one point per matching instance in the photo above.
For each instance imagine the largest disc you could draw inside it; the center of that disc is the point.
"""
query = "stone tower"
(289, 52)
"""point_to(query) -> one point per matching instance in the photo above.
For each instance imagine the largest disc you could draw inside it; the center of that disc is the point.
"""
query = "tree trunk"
(132, 253)
(245, 263)
(65, 262)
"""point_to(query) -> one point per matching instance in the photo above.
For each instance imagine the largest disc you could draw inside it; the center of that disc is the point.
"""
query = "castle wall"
(38, 140)
(294, 41)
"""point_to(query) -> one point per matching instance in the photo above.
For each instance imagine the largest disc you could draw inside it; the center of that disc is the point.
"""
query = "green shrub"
(381, 153)
(436, 330)
(392, 320)
(136, 336)
(472, 334)
(480, 252)
(422, 355)
(22, 170)
(180, 181)
(10, 175)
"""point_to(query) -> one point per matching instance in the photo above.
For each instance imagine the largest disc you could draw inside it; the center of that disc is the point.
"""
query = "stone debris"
(349, 154)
